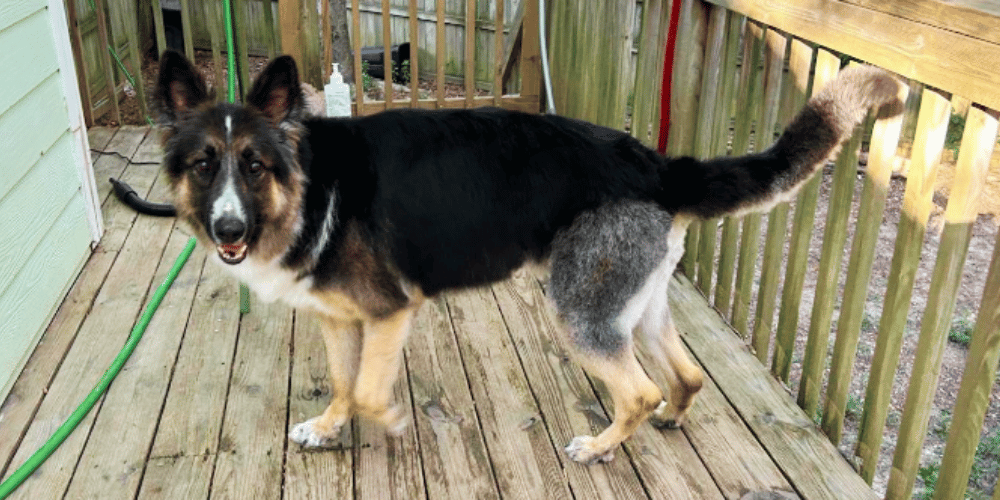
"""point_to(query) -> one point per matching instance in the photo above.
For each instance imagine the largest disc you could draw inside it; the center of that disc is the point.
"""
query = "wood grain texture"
(810, 462)
(775, 47)
(28, 63)
(314, 474)
(114, 460)
(932, 124)
(33, 206)
(122, 295)
(27, 144)
(29, 389)
(118, 217)
(252, 443)
(524, 458)
(455, 459)
(972, 18)
(974, 393)
(728, 448)
(184, 450)
(915, 50)
(800, 61)
(884, 141)
(978, 142)
(388, 467)
(33, 296)
(563, 392)
(747, 115)
(13, 12)
(814, 360)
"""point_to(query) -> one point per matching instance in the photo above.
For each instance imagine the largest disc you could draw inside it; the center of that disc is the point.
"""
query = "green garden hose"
(64, 430)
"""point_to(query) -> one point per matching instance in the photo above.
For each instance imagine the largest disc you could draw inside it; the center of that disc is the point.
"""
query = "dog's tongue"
(232, 253)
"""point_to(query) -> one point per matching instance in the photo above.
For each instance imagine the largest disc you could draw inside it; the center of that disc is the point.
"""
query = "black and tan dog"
(360, 219)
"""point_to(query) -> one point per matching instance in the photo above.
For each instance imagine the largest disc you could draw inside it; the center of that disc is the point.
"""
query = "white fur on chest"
(270, 282)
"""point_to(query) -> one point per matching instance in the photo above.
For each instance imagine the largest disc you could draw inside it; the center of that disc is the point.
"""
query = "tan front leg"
(343, 351)
(381, 357)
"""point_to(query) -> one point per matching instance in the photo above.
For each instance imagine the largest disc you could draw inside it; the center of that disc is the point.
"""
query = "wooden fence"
(453, 41)
(743, 67)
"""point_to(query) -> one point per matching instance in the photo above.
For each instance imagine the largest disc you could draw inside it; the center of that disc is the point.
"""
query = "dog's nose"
(229, 229)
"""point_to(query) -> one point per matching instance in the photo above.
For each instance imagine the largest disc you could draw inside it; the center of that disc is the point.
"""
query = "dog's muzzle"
(230, 232)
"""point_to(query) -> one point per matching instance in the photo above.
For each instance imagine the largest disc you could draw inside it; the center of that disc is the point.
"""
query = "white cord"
(550, 106)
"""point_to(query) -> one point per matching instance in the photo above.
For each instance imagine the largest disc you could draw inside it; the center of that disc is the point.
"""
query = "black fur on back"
(459, 198)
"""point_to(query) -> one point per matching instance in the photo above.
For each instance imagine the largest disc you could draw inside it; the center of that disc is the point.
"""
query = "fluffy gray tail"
(723, 186)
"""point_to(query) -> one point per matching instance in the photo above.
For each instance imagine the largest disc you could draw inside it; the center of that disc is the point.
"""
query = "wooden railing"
(742, 68)
(490, 46)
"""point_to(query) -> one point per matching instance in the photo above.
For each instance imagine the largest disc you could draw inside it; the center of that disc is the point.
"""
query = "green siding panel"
(29, 129)
(12, 11)
(28, 56)
(34, 204)
(27, 305)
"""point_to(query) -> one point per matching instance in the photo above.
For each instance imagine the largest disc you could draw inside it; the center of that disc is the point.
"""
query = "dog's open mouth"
(232, 253)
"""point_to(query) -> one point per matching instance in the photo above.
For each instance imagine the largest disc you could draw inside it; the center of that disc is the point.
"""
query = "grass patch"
(961, 329)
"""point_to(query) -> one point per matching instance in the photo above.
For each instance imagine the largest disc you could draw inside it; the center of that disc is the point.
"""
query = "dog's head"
(234, 168)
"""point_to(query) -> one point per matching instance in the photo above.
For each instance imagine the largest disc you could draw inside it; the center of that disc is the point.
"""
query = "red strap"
(668, 74)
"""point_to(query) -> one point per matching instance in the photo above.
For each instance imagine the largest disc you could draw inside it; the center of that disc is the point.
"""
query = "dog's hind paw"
(309, 435)
(666, 417)
(581, 449)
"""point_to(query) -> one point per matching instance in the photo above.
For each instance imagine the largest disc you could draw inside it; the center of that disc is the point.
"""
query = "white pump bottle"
(337, 94)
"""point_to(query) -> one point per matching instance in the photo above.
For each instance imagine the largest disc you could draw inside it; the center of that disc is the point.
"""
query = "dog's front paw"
(581, 449)
(311, 435)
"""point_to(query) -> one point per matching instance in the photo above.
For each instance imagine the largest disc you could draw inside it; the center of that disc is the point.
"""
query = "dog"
(361, 219)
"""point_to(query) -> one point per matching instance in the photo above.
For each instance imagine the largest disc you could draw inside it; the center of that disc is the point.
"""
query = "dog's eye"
(256, 167)
(202, 166)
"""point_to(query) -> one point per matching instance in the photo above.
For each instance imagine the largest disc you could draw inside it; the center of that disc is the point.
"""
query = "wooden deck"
(203, 406)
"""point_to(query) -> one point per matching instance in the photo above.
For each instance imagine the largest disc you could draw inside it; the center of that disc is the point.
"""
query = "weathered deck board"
(203, 407)
(560, 387)
(456, 464)
(308, 474)
(183, 453)
(98, 341)
(116, 453)
(252, 443)
(806, 457)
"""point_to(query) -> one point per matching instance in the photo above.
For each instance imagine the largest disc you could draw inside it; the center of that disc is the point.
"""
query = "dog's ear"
(277, 92)
(179, 88)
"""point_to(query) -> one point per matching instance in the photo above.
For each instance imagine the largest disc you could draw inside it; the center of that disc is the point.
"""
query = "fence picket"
(777, 222)
(978, 142)
(827, 66)
(795, 90)
(748, 114)
(710, 88)
(731, 226)
(932, 124)
(974, 393)
(885, 140)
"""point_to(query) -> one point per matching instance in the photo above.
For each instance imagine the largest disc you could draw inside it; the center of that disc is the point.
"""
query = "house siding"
(44, 231)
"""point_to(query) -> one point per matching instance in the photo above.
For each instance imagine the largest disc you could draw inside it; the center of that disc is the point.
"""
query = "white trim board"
(67, 71)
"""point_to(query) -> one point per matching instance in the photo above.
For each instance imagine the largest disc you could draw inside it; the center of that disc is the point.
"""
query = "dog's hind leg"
(605, 268)
(664, 342)
(343, 351)
(633, 394)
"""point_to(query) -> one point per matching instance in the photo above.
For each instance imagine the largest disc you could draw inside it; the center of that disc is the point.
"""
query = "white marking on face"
(229, 128)
(228, 203)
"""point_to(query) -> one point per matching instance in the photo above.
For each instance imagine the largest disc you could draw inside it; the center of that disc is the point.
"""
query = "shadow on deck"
(203, 406)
